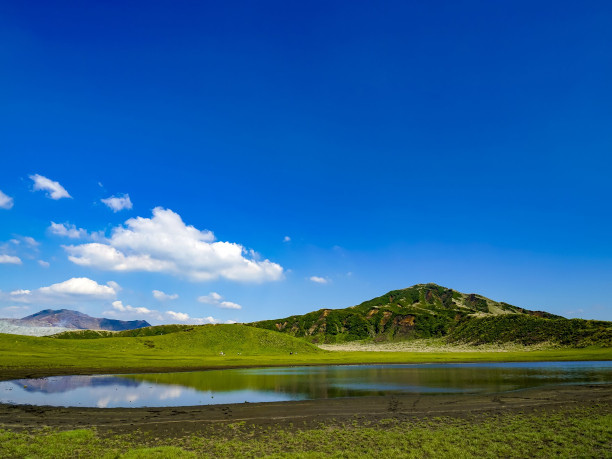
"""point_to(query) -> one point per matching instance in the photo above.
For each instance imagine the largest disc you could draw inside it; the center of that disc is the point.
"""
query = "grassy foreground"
(569, 432)
(241, 346)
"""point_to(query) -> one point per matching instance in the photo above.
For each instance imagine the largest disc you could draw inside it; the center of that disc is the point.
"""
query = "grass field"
(201, 347)
(569, 432)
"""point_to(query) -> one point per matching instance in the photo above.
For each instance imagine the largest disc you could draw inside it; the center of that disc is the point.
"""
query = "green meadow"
(218, 346)
(569, 432)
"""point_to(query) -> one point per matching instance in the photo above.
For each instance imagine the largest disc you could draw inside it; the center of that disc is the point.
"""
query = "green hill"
(203, 345)
(187, 339)
(527, 330)
(420, 311)
(156, 330)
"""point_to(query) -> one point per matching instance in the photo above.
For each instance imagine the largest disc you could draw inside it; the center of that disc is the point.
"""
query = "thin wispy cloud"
(119, 306)
(14, 311)
(161, 296)
(67, 230)
(54, 189)
(215, 299)
(30, 241)
(319, 280)
(126, 311)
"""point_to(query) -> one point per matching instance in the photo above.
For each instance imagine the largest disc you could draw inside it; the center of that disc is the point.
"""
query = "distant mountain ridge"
(420, 311)
(67, 318)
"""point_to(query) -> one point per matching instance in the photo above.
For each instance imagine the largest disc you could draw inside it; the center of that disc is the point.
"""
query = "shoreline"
(172, 421)
(7, 374)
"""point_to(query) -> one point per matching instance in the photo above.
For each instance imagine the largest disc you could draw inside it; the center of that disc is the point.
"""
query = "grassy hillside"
(191, 347)
(530, 330)
(157, 330)
(420, 311)
(200, 347)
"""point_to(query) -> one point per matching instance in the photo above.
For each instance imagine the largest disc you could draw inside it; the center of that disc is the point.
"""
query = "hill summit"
(66, 318)
(420, 311)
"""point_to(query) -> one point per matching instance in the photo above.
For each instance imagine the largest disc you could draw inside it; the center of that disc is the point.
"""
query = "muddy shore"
(175, 421)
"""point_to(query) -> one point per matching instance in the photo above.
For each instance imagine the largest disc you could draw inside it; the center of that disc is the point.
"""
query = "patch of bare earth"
(431, 345)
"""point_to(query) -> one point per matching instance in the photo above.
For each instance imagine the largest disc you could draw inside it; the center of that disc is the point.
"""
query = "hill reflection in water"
(296, 383)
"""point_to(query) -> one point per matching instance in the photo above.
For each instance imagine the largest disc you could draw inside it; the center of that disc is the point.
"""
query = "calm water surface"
(296, 383)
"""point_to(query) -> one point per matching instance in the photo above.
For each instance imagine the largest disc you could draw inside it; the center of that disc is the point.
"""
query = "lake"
(296, 383)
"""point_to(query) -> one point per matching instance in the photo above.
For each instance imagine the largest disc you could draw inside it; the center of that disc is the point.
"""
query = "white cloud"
(319, 280)
(67, 230)
(180, 316)
(215, 299)
(118, 305)
(229, 305)
(54, 189)
(80, 286)
(161, 296)
(286, 239)
(164, 243)
(9, 259)
(211, 298)
(6, 202)
(73, 290)
(117, 203)
(127, 311)
(104, 256)
(114, 285)
(43, 263)
(30, 241)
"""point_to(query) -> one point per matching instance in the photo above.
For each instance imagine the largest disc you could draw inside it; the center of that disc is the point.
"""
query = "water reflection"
(296, 383)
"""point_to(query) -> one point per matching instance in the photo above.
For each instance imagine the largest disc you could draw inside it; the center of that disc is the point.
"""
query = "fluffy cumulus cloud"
(117, 203)
(286, 239)
(217, 300)
(75, 289)
(54, 189)
(43, 263)
(164, 243)
(81, 286)
(161, 296)
(180, 316)
(10, 259)
(6, 202)
(319, 280)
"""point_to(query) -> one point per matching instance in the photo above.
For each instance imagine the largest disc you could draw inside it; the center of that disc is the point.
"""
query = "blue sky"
(280, 157)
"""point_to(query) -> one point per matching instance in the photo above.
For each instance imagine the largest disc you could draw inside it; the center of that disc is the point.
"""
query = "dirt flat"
(173, 421)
